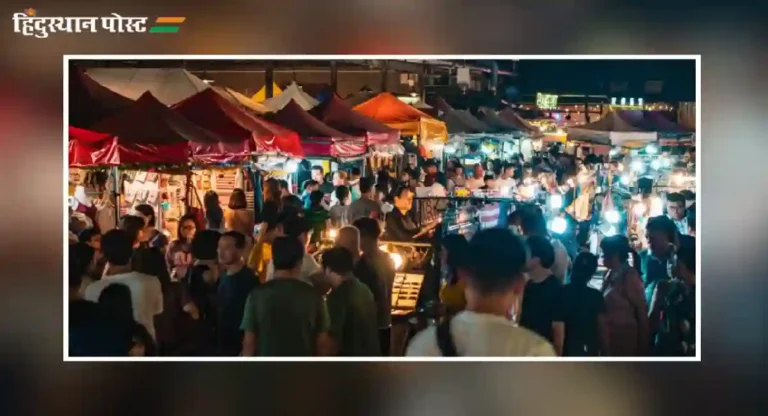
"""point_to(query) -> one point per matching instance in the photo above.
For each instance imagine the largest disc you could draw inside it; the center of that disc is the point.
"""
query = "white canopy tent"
(168, 85)
(292, 92)
(612, 130)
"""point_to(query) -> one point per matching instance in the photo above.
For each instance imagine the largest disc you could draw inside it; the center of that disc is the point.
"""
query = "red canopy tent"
(90, 101)
(242, 132)
(151, 126)
(317, 138)
(89, 149)
(340, 116)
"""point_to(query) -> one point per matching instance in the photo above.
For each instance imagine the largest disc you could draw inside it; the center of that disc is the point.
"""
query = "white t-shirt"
(308, 267)
(475, 183)
(506, 186)
(483, 335)
(562, 260)
(146, 296)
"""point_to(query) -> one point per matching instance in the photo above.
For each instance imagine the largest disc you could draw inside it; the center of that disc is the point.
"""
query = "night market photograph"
(388, 208)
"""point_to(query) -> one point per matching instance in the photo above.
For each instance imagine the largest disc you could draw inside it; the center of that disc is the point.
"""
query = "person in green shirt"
(351, 307)
(285, 316)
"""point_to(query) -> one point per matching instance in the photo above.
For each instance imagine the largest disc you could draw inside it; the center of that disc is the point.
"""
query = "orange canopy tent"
(389, 110)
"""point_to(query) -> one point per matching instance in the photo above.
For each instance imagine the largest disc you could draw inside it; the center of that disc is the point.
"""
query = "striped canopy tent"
(90, 101)
(291, 93)
(388, 109)
(168, 85)
(261, 94)
(241, 100)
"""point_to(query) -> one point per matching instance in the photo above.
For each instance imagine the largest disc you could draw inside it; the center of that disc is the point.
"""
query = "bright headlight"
(612, 216)
(558, 225)
(556, 201)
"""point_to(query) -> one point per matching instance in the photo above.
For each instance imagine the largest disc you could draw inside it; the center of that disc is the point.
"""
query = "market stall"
(291, 93)
(241, 100)
(261, 94)
(167, 85)
(612, 130)
(90, 101)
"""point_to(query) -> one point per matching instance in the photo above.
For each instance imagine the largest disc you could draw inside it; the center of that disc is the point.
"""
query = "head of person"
(287, 255)
(339, 178)
(430, 167)
(310, 185)
(479, 171)
(337, 263)
(459, 171)
(187, 228)
(271, 192)
(370, 231)
(349, 238)
(533, 222)
(230, 248)
(284, 188)
(403, 197)
(91, 237)
(115, 301)
(134, 227)
(405, 177)
(617, 251)
(355, 173)
(343, 195)
(676, 206)
(453, 257)
(584, 268)
(318, 175)
(542, 253)
(661, 233)
(508, 171)
(146, 212)
(297, 228)
(205, 245)
(685, 268)
(315, 199)
(515, 221)
(237, 199)
(367, 188)
(81, 261)
(292, 204)
(490, 181)
(213, 211)
(497, 260)
(117, 248)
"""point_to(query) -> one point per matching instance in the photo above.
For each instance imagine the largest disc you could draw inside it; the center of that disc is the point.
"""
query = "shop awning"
(242, 133)
(291, 93)
(317, 138)
(509, 115)
(90, 101)
(460, 121)
(261, 94)
(387, 109)
(90, 149)
(167, 85)
(241, 100)
(489, 116)
(335, 113)
(151, 124)
(613, 130)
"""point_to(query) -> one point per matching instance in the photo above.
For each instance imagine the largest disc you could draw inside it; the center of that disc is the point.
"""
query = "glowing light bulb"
(291, 166)
(666, 162)
(638, 166)
(656, 164)
(656, 207)
(556, 201)
(612, 216)
(332, 233)
(558, 225)
(614, 152)
(651, 149)
(625, 180)
(639, 209)
(397, 260)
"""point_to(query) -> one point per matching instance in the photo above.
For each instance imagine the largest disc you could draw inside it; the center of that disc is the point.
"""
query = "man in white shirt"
(477, 181)
(506, 183)
(311, 272)
(497, 259)
(146, 293)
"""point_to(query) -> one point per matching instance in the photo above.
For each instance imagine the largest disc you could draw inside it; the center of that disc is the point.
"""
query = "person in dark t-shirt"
(541, 310)
(236, 282)
(351, 307)
(584, 311)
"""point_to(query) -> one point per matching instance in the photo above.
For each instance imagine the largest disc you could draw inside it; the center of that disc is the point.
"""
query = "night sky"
(599, 76)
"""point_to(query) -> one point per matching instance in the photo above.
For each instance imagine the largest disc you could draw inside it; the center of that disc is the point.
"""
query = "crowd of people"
(219, 289)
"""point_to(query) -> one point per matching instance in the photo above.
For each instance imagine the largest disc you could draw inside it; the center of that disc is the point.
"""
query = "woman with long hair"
(179, 254)
(237, 217)
(625, 304)
(214, 215)
(273, 200)
(583, 307)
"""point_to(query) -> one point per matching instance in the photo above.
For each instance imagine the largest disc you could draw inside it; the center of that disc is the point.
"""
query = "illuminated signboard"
(546, 101)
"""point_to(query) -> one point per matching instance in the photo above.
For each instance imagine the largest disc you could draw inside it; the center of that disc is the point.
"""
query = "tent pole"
(116, 192)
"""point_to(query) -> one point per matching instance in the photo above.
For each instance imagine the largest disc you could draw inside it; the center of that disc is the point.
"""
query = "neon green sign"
(546, 101)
